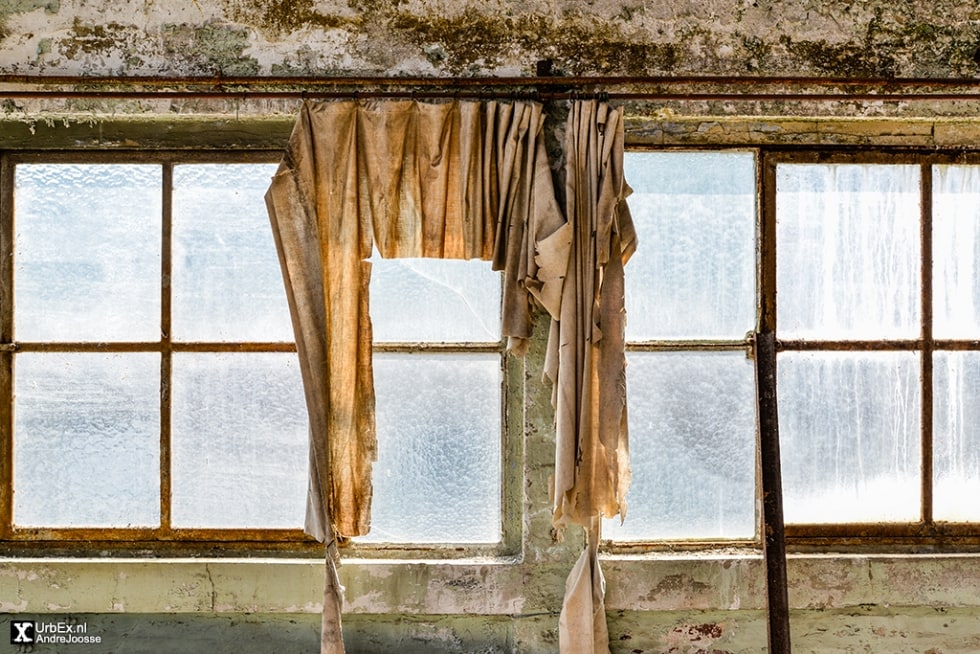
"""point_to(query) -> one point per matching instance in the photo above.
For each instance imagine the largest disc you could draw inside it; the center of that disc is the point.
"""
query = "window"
(691, 308)
(151, 384)
(438, 370)
(875, 273)
(867, 261)
(149, 388)
(152, 387)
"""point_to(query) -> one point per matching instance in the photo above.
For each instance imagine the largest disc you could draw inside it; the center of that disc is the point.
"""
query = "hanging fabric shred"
(460, 180)
(586, 360)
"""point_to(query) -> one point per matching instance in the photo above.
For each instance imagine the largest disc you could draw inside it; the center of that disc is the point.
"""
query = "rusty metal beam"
(487, 80)
(774, 542)
(664, 88)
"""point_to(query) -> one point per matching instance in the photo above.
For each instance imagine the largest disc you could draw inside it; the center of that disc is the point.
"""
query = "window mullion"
(927, 343)
(166, 358)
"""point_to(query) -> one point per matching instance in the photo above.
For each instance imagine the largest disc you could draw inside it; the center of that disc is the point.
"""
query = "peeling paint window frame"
(876, 536)
(166, 539)
(926, 530)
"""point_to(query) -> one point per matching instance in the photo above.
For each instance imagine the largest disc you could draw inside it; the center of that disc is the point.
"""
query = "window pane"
(956, 251)
(239, 441)
(86, 440)
(849, 436)
(227, 284)
(956, 436)
(87, 252)
(847, 251)
(695, 217)
(432, 300)
(438, 474)
(692, 447)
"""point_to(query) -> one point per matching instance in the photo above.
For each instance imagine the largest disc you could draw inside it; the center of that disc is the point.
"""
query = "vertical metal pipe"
(774, 541)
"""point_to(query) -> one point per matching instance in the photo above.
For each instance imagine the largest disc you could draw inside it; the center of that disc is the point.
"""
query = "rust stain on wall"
(218, 48)
(89, 38)
(284, 16)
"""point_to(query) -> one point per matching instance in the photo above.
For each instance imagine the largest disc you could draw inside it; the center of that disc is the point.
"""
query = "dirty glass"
(956, 251)
(692, 447)
(227, 285)
(849, 436)
(87, 252)
(86, 440)
(848, 251)
(438, 474)
(956, 436)
(239, 441)
(433, 300)
(696, 221)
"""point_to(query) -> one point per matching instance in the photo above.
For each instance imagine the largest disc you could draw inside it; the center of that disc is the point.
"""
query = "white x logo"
(22, 635)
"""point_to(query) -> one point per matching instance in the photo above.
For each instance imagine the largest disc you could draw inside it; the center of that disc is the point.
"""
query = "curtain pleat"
(460, 180)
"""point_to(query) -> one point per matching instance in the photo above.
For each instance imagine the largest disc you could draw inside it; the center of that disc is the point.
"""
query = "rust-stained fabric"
(587, 362)
(455, 180)
(458, 180)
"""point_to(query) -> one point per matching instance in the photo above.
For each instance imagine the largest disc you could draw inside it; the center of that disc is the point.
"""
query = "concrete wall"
(697, 603)
(905, 38)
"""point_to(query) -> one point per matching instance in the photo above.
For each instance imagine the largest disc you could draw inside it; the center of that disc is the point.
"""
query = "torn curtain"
(586, 360)
(449, 180)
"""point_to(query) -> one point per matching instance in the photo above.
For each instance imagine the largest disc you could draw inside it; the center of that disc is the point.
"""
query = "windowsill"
(479, 586)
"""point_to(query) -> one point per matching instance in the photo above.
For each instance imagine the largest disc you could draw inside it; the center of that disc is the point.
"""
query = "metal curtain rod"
(485, 81)
(662, 88)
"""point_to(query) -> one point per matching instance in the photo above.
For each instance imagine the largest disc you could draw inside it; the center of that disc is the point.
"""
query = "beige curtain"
(450, 180)
(587, 363)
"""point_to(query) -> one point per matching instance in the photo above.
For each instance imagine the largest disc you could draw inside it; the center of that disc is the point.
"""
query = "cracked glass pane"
(87, 252)
(438, 474)
(434, 300)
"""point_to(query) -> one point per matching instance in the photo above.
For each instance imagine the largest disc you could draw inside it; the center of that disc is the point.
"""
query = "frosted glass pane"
(956, 251)
(692, 447)
(694, 273)
(86, 440)
(227, 284)
(848, 261)
(87, 252)
(434, 300)
(956, 436)
(438, 474)
(849, 436)
(239, 441)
